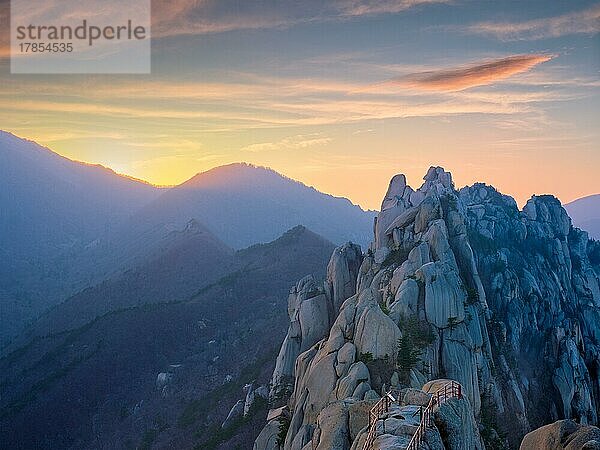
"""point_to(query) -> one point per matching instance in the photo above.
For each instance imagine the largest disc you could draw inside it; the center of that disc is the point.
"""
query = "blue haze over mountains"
(66, 225)
(107, 281)
(585, 213)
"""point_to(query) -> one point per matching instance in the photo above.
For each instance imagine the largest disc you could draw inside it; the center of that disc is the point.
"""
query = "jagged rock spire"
(505, 302)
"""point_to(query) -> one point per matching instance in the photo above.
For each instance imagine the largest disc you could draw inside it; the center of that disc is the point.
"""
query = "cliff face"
(456, 285)
(543, 292)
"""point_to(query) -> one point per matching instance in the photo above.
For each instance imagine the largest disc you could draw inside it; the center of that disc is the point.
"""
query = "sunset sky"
(339, 94)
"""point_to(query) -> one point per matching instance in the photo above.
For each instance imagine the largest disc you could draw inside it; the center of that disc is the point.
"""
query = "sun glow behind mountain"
(338, 92)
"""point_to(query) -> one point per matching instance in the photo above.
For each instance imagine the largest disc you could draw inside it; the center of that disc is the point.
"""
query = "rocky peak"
(401, 204)
(548, 212)
(456, 285)
(395, 192)
(437, 178)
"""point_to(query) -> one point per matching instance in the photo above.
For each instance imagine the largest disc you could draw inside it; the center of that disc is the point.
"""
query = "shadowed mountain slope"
(52, 209)
(100, 379)
(182, 262)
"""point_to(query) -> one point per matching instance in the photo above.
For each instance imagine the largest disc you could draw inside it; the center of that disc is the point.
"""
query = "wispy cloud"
(252, 102)
(289, 143)
(478, 74)
(201, 17)
(367, 7)
(180, 17)
(586, 21)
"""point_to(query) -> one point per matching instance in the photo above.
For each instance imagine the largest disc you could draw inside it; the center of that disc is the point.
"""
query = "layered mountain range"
(66, 226)
(456, 285)
(155, 356)
(147, 317)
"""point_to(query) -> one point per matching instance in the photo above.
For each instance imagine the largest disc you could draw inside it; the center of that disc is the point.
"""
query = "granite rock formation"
(457, 284)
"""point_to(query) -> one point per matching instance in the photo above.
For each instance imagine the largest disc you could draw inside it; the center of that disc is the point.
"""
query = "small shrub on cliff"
(396, 257)
(384, 308)
(452, 322)
(282, 392)
(366, 357)
(493, 439)
(408, 355)
(472, 296)
(418, 330)
(284, 426)
(416, 335)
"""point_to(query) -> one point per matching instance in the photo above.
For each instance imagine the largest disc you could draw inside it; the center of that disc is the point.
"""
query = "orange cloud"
(483, 73)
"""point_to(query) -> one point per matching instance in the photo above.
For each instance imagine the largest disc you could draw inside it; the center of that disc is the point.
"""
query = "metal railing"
(451, 390)
(379, 409)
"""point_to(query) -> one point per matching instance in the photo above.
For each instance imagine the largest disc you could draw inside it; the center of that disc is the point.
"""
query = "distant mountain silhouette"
(67, 225)
(52, 209)
(245, 204)
(585, 213)
(53, 203)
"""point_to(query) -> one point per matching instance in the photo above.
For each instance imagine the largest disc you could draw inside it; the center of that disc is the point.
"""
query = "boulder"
(376, 333)
(361, 390)
(357, 374)
(345, 357)
(313, 315)
(252, 395)
(333, 425)
(395, 192)
(406, 301)
(372, 395)
(267, 439)
(309, 313)
(342, 272)
(562, 435)
(321, 382)
(163, 379)
(457, 425)
(358, 416)
(416, 397)
(236, 412)
(302, 438)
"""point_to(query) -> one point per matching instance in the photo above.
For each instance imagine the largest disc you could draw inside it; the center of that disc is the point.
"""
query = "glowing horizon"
(376, 188)
(340, 96)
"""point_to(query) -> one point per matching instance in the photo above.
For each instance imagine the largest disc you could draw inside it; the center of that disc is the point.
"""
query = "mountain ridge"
(585, 213)
(69, 225)
(457, 285)
(107, 371)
